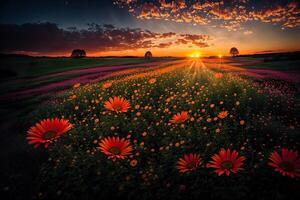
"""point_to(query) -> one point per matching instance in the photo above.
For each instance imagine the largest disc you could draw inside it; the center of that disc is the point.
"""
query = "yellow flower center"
(287, 166)
(115, 150)
(227, 164)
(49, 135)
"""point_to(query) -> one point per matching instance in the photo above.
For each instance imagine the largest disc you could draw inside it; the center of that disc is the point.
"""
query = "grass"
(22, 163)
(75, 169)
(8, 87)
(25, 67)
(276, 65)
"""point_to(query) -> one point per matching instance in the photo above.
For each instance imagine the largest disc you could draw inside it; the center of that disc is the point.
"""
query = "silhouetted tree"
(148, 55)
(78, 53)
(234, 52)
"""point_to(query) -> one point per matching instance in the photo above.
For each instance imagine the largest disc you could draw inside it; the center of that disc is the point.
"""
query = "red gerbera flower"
(226, 162)
(189, 162)
(117, 104)
(179, 117)
(46, 131)
(115, 147)
(288, 164)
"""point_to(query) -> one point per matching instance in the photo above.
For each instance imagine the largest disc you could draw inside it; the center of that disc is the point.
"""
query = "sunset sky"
(167, 28)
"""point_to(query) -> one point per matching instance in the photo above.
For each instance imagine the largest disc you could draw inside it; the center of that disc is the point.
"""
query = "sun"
(195, 55)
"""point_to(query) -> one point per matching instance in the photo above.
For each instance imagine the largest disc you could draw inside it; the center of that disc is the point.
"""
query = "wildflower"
(218, 75)
(117, 104)
(226, 162)
(288, 163)
(179, 117)
(152, 80)
(107, 85)
(189, 162)
(223, 114)
(115, 147)
(77, 85)
(133, 163)
(47, 131)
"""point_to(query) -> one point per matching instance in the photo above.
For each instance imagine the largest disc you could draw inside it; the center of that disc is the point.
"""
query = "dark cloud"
(166, 35)
(48, 37)
(164, 45)
(108, 26)
(197, 40)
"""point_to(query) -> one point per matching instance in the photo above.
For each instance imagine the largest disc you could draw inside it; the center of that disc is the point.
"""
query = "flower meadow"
(184, 132)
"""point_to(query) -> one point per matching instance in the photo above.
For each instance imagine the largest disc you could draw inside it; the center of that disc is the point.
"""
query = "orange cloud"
(229, 14)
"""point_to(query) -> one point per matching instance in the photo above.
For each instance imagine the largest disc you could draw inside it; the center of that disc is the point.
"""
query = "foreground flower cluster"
(48, 130)
(167, 131)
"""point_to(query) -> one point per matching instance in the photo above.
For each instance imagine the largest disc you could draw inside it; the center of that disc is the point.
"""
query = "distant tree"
(78, 53)
(148, 55)
(234, 52)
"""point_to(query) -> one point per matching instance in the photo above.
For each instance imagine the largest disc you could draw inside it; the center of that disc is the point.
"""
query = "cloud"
(199, 41)
(248, 32)
(229, 14)
(164, 45)
(48, 38)
(168, 35)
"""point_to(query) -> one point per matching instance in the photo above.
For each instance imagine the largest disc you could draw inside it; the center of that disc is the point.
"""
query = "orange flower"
(189, 162)
(242, 122)
(107, 85)
(288, 164)
(218, 75)
(152, 80)
(47, 131)
(117, 104)
(115, 147)
(179, 117)
(133, 163)
(223, 114)
(226, 162)
(77, 85)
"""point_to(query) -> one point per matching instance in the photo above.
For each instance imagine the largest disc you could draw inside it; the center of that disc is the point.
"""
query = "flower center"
(117, 107)
(181, 119)
(287, 166)
(49, 135)
(190, 165)
(115, 150)
(227, 164)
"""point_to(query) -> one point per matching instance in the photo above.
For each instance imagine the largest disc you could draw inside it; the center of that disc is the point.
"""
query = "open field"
(18, 73)
(239, 104)
(150, 99)
(38, 66)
